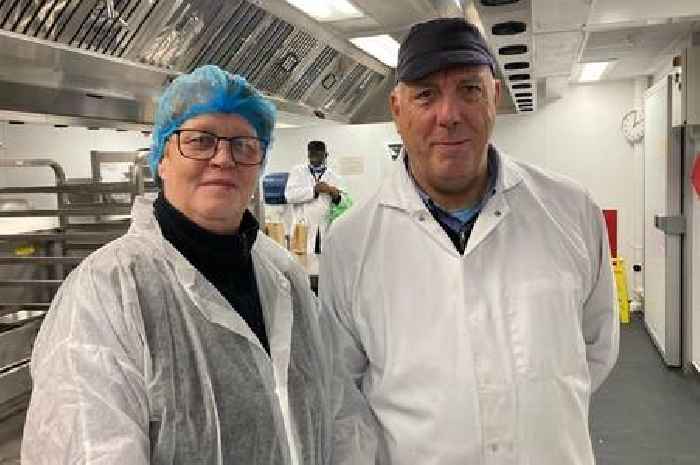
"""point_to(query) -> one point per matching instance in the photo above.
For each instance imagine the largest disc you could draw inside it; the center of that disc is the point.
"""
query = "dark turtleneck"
(224, 259)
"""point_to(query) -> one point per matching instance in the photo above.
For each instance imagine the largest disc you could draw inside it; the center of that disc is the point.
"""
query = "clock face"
(633, 126)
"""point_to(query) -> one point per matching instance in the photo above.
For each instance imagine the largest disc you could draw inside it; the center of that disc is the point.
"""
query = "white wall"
(70, 147)
(577, 135)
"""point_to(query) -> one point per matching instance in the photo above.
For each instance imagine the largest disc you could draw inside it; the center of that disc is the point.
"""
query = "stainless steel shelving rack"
(86, 211)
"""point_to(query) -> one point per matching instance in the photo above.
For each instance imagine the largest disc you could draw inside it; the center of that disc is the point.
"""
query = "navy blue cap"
(441, 43)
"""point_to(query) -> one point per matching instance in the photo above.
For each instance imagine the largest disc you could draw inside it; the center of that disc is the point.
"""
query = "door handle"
(671, 224)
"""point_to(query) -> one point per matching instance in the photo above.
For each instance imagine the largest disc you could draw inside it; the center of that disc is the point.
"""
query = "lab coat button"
(498, 213)
(421, 217)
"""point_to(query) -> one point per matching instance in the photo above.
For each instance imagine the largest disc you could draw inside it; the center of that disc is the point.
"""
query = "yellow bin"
(621, 284)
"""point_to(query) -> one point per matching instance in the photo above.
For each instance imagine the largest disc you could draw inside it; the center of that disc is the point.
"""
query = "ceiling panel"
(619, 11)
(356, 27)
(559, 15)
(389, 15)
(633, 43)
(556, 52)
(631, 67)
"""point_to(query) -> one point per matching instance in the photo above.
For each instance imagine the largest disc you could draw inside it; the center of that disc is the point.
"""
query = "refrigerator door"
(663, 150)
(691, 252)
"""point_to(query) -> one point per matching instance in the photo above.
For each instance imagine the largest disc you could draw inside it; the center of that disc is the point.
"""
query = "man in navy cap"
(475, 291)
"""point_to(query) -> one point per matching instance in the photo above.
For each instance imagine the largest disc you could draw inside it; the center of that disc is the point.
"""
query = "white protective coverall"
(142, 361)
(300, 193)
(486, 358)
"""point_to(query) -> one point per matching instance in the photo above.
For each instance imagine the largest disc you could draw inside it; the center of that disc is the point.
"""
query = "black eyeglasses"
(203, 145)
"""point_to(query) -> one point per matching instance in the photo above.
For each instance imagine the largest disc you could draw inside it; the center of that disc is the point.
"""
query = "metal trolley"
(90, 212)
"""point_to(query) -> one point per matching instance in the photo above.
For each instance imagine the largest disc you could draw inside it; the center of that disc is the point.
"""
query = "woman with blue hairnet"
(193, 338)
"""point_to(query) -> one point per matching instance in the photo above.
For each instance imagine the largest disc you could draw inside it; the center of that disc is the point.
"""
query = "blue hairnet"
(208, 89)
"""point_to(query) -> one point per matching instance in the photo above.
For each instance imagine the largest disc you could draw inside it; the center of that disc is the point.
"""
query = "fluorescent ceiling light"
(382, 47)
(285, 125)
(593, 71)
(459, 3)
(327, 10)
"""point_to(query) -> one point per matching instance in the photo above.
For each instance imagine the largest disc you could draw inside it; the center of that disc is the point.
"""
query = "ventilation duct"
(508, 29)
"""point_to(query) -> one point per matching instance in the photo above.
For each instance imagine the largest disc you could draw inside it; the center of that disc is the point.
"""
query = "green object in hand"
(337, 210)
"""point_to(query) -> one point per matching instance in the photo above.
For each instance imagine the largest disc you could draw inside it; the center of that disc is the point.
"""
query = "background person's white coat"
(300, 193)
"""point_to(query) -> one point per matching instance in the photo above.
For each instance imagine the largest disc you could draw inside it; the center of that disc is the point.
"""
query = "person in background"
(311, 188)
(475, 291)
(194, 339)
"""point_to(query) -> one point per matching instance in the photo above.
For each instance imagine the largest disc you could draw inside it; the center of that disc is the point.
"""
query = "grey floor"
(10, 439)
(645, 413)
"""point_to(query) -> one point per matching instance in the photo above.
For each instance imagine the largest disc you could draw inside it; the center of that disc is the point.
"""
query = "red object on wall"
(695, 177)
(611, 223)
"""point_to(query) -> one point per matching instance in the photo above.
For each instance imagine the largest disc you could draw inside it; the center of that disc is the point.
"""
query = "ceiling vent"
(508, 28)
(516, 65)
(498, 2)
(513, 50)
(519, 77)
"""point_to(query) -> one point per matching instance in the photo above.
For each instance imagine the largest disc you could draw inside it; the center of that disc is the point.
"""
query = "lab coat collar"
(399, 191)
(275, 292)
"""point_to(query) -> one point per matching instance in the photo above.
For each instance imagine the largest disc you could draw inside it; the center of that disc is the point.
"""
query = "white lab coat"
(142, 361)
(314, 211)
(486, 358)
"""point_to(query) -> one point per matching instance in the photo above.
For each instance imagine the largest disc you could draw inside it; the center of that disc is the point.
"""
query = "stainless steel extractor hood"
(103, 62)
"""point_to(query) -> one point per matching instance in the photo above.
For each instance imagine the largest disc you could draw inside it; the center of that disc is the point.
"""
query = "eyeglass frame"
(177, 132)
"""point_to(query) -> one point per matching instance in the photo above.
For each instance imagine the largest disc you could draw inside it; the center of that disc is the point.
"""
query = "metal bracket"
(692, 131)
(673, 224)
